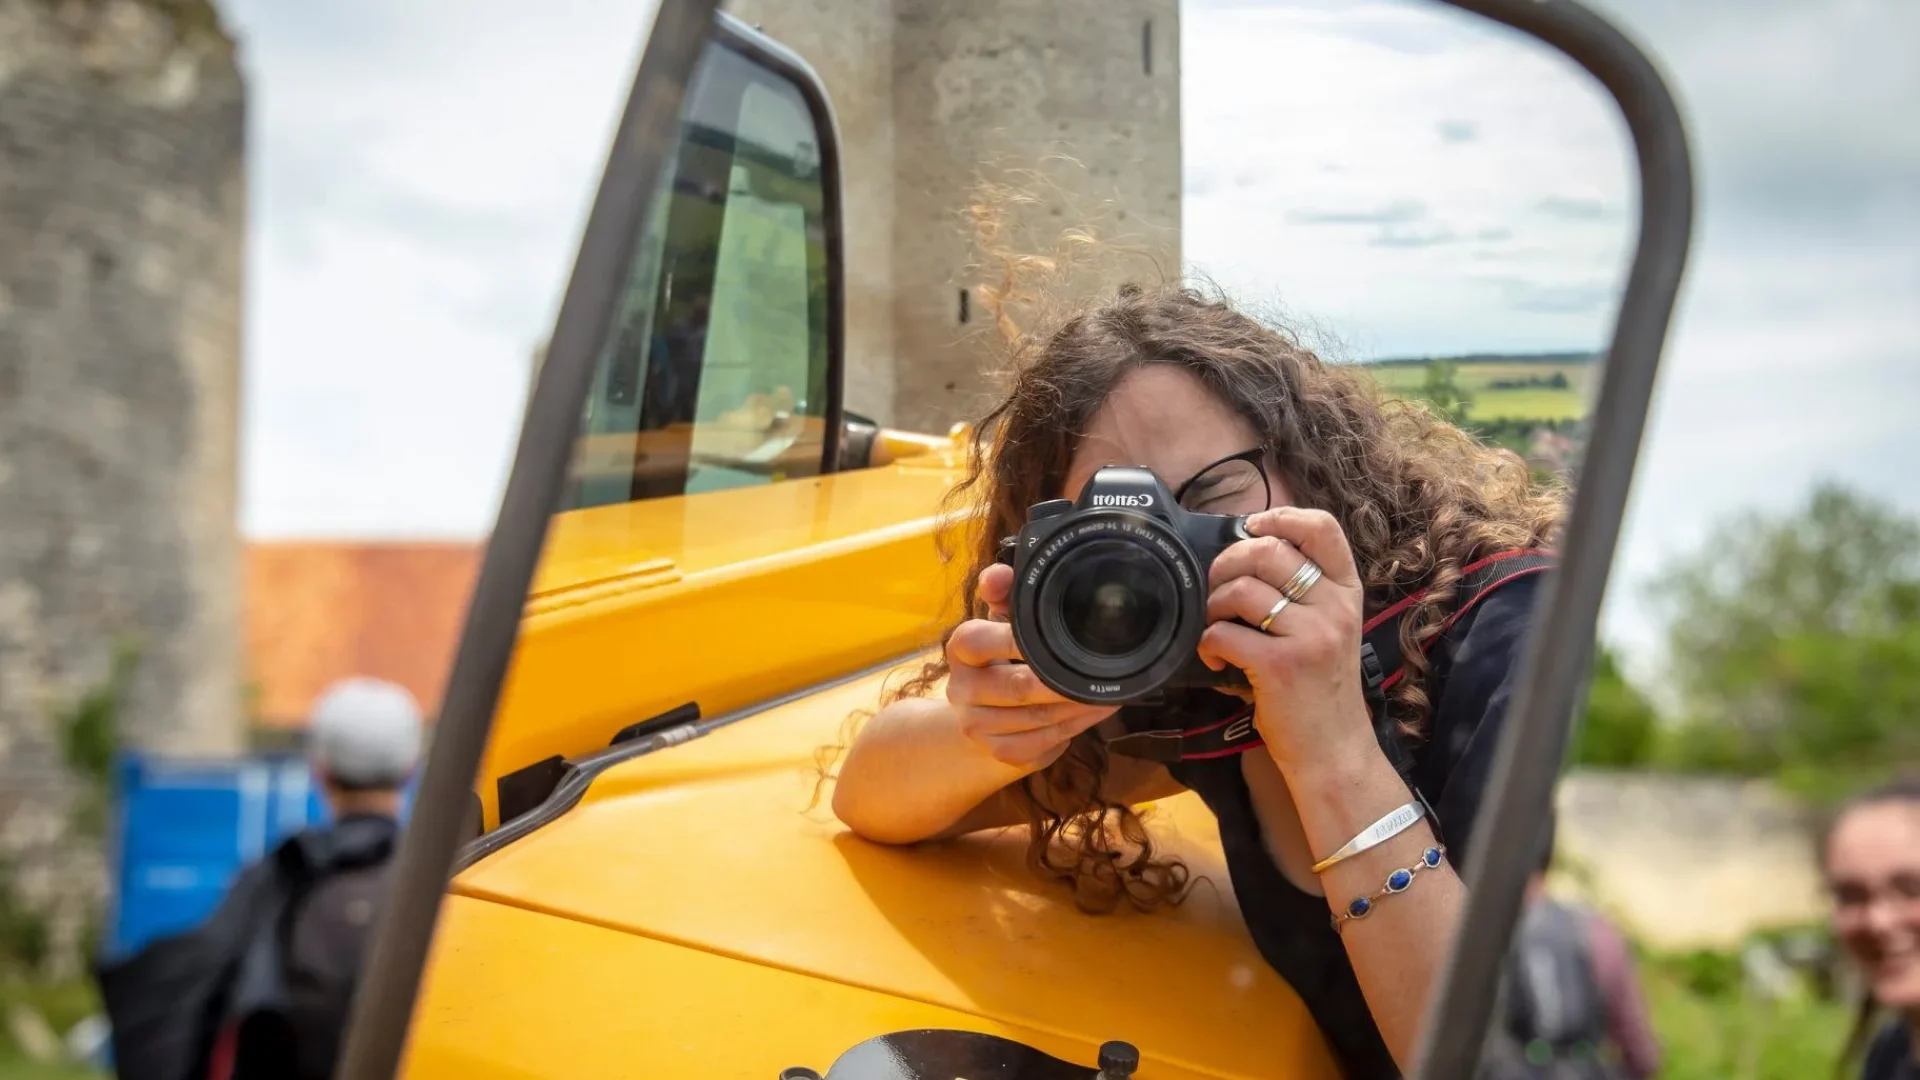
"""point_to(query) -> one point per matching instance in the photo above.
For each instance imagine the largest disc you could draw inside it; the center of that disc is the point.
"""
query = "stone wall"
(122, 205)
(1013, 85)
(849, 43)
(1688, 862)
(927, 93)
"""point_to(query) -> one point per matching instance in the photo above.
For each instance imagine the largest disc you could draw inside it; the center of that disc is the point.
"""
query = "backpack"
(1552, 1016)
(293, 995)
(326, 942)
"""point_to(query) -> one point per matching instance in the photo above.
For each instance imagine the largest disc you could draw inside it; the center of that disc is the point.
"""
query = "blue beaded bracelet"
(1397, 882)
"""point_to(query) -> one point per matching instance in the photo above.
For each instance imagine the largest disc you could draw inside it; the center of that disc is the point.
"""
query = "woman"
(1385, 501)
(1872, 862)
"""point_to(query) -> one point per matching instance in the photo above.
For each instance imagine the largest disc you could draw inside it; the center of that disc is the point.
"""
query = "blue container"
(184, 828)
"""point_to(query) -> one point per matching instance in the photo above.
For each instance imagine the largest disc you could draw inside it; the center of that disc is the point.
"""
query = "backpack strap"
(1381, 633)
(1382, 666)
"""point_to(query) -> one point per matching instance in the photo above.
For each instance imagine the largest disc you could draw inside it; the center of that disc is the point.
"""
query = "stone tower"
(122, 211)
(926, 92)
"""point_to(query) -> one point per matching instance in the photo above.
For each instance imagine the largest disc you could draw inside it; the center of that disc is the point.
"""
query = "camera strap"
(1382, 666)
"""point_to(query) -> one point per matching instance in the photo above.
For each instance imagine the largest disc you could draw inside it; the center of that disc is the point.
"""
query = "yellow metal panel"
(709, 845)
(726, 599)
(514, 995)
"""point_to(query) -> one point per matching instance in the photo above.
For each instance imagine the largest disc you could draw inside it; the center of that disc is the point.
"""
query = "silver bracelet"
(1396, 822)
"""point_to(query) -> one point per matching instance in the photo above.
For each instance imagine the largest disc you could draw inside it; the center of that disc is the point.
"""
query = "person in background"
(1871, 858)
(262, 988)
(364, 742)
(1571, 1004)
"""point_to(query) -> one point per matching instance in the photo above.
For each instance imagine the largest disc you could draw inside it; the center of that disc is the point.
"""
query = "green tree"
(90, 736)
(1794, 641)
(1441, 389)
(1619, 727)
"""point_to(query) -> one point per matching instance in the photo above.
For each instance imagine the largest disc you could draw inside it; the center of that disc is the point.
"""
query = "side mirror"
(857, 437)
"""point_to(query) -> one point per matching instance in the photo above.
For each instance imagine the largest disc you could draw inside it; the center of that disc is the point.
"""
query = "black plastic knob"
(1118, 1060)
(799, 1072)
(1050, 508)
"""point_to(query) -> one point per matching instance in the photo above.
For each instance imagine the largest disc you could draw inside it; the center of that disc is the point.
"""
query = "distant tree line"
(1793, 640)
(1556, 381)
(1442, 392)
(1793, 648)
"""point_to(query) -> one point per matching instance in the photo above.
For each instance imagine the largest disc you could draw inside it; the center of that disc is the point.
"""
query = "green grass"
(14, 1067)
(63, 1004)
(1710, 1032)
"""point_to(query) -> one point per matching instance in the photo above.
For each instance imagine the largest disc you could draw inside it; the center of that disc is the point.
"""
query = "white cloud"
(1401, 176)
(1796, 351)
(1407, 177)
(1793, 354)
(421, 172)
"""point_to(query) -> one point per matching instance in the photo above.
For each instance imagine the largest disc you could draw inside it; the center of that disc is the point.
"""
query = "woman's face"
(1164, 419)
(1873, 870)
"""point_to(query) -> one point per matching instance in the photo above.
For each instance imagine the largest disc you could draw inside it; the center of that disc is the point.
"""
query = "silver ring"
(1274, 613)
(1303, 579)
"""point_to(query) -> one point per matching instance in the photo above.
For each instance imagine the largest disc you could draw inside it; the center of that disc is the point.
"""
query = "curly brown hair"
(1418, 498)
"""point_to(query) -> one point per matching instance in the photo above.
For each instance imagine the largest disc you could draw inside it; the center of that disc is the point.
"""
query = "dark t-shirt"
(1890, 1056)
(1473, 671)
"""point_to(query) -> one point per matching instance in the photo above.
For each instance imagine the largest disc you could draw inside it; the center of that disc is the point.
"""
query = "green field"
(1710, 1030)
(62, 1005)
(1481, 376)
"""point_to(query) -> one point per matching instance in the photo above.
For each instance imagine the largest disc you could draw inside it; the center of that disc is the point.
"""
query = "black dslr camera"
(1110, 592)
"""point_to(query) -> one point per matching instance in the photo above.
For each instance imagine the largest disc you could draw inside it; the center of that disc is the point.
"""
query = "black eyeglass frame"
(1256, 456)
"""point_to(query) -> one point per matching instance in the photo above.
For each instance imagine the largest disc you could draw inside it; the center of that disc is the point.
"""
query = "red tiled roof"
(317, 611)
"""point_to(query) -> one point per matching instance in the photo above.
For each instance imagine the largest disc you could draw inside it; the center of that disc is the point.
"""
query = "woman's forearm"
(1398, 948)
(911, 775)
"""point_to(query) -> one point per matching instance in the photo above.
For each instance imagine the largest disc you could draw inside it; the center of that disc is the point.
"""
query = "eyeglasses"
(1234, 485)
(1851, 897)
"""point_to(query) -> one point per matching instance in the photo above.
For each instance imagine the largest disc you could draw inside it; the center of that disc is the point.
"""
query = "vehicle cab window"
(715, 374)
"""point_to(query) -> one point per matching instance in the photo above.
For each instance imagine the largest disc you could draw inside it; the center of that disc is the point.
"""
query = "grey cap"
(365, 733)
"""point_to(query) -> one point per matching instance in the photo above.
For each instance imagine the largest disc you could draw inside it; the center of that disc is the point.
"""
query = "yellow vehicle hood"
(692, 917)
(726, 599)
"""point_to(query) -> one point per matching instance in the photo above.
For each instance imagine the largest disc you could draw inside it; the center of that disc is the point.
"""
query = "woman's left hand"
(1305, 667)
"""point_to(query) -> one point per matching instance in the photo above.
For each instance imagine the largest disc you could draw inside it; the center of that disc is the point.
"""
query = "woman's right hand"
(1001, 706)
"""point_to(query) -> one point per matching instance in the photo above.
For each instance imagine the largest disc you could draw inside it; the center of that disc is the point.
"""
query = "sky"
(1390, 176)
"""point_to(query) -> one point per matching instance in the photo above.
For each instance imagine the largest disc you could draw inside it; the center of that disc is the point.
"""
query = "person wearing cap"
(263, 987)
(363, 738)
(363, 743)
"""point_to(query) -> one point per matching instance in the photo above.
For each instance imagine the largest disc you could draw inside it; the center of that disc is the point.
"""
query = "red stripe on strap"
(1215, 727)
(1455, 617)
(1406, 602)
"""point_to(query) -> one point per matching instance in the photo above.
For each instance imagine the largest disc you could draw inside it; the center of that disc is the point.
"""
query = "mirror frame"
(1553, 668)
(644, 143)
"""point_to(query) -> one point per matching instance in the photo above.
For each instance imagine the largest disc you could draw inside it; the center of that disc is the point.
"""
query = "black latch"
(525, 788)
(674, 717)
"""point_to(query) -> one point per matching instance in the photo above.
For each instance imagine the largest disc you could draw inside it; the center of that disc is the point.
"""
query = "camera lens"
(1111, 600)
(1106, 614)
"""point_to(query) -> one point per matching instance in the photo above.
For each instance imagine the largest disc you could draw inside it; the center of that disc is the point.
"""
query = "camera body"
(1110, 591)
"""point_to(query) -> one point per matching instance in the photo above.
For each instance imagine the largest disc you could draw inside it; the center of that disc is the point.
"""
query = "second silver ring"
(1274, 612)
(1303, 579)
